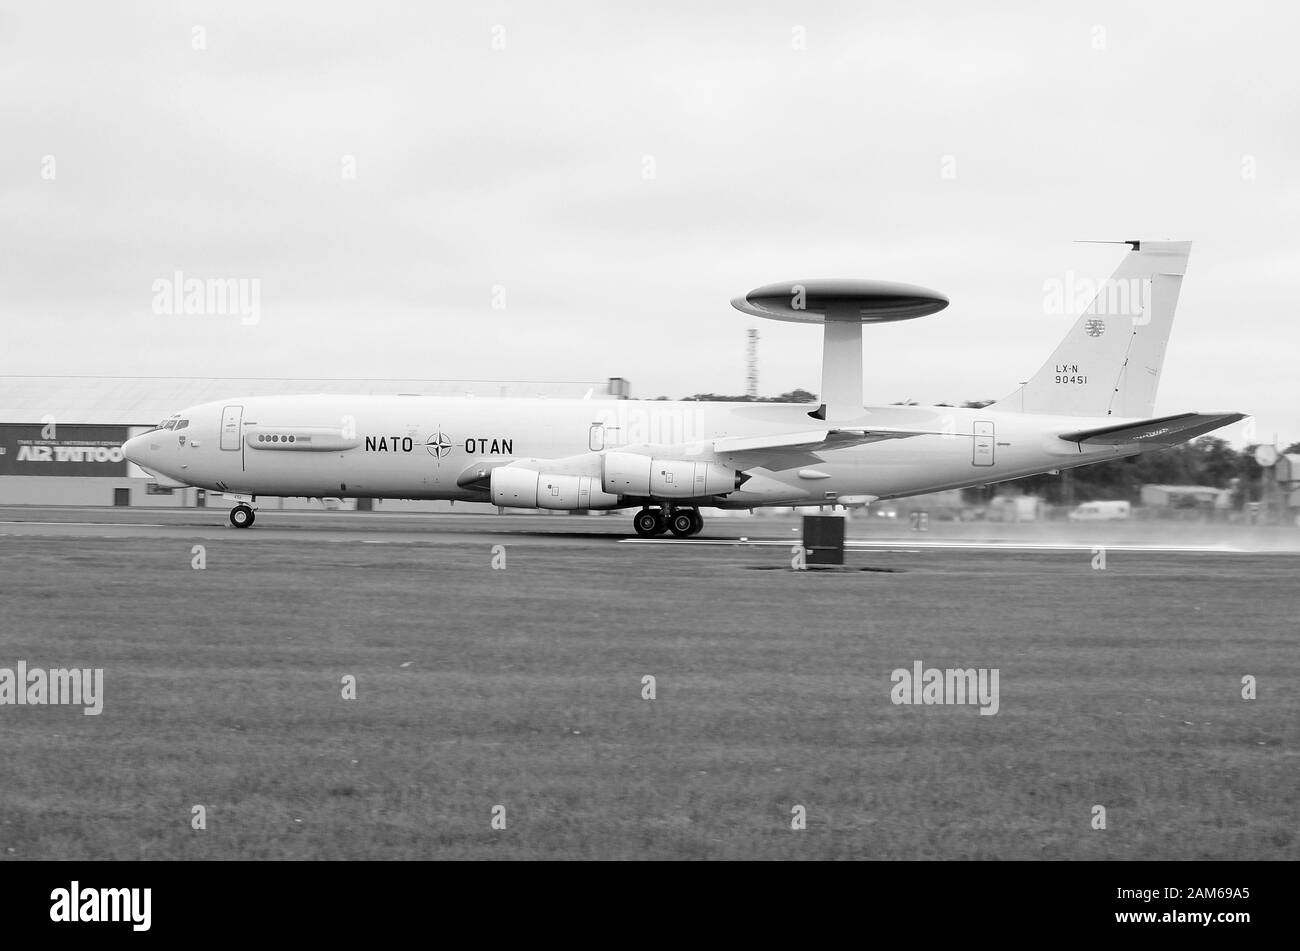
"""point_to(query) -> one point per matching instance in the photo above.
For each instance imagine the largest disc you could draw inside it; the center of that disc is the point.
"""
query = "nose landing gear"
(242, 516)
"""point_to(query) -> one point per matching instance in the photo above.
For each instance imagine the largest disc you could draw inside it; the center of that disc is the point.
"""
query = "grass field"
(522, 687)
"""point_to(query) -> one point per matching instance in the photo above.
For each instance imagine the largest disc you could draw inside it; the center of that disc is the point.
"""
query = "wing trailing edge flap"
(1163, 430)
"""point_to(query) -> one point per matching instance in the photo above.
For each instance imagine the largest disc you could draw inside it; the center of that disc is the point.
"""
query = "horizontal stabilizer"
(1165, 430)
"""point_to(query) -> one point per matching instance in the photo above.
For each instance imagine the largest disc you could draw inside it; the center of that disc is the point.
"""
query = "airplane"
(1091, 401)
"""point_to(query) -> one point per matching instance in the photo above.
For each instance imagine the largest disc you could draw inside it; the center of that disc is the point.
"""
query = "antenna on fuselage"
(1135, 245)
(841, 307)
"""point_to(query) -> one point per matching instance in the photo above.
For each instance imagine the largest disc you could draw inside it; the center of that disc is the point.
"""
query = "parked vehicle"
(1101, 512)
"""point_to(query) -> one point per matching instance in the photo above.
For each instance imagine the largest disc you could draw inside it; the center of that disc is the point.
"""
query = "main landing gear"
(242, 516)
(682, 522)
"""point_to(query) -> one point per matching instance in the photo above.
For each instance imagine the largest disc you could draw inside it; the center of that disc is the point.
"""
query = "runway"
(305, 526)
(615, 528)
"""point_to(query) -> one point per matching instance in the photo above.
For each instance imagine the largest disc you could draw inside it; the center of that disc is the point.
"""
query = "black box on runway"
(823, 539)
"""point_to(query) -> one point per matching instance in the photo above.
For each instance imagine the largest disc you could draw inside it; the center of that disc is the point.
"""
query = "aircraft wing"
(815, 440)
(753, 451)
(1163, 430)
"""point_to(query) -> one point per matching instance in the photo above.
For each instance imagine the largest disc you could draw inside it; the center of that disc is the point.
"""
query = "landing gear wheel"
(698, 521)
(682, 523)
(648, 523)
(241, 516)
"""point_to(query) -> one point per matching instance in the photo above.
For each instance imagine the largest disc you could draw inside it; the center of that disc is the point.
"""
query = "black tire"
(648, 523)
(698, 521)
(241, 516)
(682, 524)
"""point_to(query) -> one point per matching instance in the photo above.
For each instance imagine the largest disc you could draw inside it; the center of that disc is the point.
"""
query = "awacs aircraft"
(1091, 401)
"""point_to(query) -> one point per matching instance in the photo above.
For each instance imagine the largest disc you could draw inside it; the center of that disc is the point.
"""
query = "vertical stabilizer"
(1110, 362)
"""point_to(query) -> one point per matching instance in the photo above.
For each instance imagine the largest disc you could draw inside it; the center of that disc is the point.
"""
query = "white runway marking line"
(986, 546)
(1063, 546)
(91, 524)
(736, 543)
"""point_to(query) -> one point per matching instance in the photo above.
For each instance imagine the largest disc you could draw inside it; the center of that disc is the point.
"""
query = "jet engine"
(626, 473)
(517, 487)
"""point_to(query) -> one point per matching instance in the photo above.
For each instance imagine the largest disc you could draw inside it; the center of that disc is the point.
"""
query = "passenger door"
(231, 419)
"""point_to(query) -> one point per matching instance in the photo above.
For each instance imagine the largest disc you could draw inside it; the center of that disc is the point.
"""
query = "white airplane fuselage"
(414, 447)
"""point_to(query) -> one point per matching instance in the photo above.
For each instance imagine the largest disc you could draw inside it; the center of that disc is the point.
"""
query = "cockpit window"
(171, 422)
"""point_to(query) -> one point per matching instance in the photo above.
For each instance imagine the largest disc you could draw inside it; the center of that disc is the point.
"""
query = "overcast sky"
(383, 169)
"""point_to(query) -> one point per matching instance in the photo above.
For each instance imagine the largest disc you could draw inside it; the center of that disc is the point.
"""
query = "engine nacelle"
(627, 473)
(516, 487)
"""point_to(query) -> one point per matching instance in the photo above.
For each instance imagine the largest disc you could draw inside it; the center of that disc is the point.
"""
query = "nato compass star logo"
(438, 445)
(1094, 328)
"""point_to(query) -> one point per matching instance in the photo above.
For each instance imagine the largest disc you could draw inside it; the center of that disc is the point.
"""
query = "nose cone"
(135, 449)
